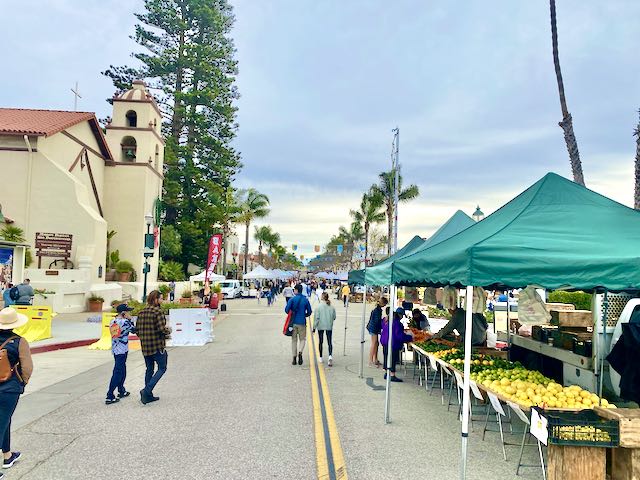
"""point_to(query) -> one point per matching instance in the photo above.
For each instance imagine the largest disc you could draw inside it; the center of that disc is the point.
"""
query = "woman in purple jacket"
(398, 339)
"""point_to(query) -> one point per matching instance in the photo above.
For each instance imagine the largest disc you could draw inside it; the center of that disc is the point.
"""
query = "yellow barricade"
(39, 325)
(105, 334)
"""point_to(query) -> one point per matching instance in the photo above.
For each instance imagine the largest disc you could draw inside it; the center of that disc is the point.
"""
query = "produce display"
(582, 434)
(431, 347)
(512, 381)
(420, 335)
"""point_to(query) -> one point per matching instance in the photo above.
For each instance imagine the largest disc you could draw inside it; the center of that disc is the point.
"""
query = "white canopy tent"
(213, 277)
(260, 273)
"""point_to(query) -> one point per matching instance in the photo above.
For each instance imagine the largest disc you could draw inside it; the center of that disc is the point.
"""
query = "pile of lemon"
(582, 434)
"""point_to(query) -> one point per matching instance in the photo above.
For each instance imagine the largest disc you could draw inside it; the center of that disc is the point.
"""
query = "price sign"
(539, 426)
(495, 402)
(476, 390)
(432, 361)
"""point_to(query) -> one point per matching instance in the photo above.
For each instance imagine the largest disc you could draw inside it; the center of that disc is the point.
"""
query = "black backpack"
(14, 293)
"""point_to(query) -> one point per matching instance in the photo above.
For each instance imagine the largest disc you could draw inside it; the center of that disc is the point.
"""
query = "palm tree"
(253, 205)
(567, 123)
(265, 236)
(370, 213)
(385, 188)
(349, 238)
(273, 241)
(636, 198)
(228, 211)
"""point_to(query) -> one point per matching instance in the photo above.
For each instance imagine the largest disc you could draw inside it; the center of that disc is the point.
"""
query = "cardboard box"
(572, 318)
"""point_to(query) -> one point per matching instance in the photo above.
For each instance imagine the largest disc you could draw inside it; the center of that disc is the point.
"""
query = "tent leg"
(466, 377)
(364, 314)
(387, 398)
(603, 340)
(346, 317)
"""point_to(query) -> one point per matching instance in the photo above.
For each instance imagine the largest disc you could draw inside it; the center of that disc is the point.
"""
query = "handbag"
(288, 324)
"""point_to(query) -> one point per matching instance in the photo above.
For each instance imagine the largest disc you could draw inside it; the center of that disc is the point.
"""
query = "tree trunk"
(567, 123)
(246, 248)
(260, 252)
(636, 199)
(366, 245)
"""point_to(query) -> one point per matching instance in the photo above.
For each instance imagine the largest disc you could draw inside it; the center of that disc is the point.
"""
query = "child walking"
(121, 326)
(323, 320)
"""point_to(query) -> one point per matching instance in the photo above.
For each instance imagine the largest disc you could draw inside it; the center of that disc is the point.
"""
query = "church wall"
(63, 151)
(13, 184)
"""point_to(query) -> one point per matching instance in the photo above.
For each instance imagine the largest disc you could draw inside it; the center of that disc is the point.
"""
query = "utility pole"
(395, 165)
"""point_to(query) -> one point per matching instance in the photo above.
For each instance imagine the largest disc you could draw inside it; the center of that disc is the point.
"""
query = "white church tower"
(133, 187)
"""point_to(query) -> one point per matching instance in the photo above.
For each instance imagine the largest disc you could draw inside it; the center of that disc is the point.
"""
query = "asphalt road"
(238, 409)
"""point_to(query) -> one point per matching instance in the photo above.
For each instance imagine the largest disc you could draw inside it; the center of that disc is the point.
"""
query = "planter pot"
(95, 306)
(185, 300)
(110, 276)
(124, 276)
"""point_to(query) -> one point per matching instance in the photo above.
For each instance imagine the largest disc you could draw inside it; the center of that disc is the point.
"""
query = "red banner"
(215, 245)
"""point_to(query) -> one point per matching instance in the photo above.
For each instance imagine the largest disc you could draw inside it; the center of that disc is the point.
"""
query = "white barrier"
(191, 327)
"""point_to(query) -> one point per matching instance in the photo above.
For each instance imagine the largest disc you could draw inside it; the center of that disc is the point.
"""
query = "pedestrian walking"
(172, 291)
(346, 291)
(301, 309)
(16, 367)
(374, 327)
(153, 332)
(121, 326)
(287, 293)
(398, 339)
(323, 319)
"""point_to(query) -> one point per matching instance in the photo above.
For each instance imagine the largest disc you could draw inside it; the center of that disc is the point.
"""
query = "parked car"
(231, 289)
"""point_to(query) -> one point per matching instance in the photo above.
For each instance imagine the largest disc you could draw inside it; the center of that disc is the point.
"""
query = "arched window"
(128, 149)
(157, 161)
(132, 118)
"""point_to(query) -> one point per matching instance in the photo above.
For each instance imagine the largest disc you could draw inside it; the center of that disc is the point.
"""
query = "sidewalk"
(70, 327)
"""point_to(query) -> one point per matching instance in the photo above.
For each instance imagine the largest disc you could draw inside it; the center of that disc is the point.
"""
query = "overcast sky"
(469, 83)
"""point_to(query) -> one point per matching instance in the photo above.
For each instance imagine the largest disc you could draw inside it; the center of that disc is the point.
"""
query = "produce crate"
(581, 429)
(560, 306)
(565, 339)
(629, 421)
(542, 333)
(583, 347)
(572, 318)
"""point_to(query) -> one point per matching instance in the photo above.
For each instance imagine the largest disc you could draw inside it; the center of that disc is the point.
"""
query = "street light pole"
(149, 242)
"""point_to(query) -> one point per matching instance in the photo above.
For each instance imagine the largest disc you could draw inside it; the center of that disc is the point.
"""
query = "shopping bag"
(288, 324)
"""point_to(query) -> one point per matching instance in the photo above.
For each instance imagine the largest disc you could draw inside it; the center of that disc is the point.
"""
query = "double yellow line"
(329, 456)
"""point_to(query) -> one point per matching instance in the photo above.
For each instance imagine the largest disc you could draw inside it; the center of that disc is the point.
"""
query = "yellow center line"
(329, 455)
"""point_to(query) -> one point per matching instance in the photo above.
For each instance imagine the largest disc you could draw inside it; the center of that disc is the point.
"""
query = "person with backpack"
(301, 309)
(16, 367)
(23, 293)
(121, 326)
(323, 320)
(374, 327)
(398, 339)
(6, 296)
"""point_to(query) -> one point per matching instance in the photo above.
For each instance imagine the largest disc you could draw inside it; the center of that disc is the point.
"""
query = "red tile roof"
(22, 121)
(18, 121)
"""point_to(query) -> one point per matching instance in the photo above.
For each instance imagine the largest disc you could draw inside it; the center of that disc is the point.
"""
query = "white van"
(230, 289)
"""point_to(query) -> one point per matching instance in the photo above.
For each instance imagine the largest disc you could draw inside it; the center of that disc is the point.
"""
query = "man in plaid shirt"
(153, 333)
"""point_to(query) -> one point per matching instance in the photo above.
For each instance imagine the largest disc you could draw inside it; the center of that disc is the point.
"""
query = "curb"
(72, 344)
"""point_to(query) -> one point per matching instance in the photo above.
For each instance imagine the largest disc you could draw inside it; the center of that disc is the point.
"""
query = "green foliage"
(170, 271)
(114, 258)
(186, 294)
(28, 257)
(164, 289)
(434, 312)
(166, 306)
(171, 243)
(216, 288)
(95, 298)
(581, 300)
(12, 234)
(123, 266)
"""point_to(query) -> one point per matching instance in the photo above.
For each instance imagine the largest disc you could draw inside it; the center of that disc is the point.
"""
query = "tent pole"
(603, 340)
(508, 329)
(364, 314)
(467, 375)
(346, 316)
(387, 398)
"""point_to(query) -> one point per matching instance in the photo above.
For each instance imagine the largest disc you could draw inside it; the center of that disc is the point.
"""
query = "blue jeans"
(8, 404)
(118, 376)
(151, 378)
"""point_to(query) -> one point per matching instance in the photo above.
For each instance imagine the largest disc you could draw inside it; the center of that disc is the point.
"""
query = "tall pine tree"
(188, 61)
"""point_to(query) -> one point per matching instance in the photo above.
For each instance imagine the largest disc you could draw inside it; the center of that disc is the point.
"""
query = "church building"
(66, 184)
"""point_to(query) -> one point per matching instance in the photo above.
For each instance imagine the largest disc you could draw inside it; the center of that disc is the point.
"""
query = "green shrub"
(95, 298)
(123, 266)
(170, 271)
(581, 300)
(434, 312)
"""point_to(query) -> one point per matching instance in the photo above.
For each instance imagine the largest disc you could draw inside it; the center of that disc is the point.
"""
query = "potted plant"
(114, 259)
(95, 303)
(164, 290)
(186, 297)
(124, 270)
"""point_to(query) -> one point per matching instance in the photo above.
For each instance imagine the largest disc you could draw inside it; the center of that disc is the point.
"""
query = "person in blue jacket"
(301, 308)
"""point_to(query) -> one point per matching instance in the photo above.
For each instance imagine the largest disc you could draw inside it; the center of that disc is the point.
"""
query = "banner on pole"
(215, 243)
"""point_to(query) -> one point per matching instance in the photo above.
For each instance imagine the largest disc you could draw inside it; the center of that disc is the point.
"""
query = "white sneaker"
(330, 362)
(320, 360)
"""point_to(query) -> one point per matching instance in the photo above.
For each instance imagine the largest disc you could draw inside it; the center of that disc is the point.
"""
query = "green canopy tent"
(556, 234)
(356, 277)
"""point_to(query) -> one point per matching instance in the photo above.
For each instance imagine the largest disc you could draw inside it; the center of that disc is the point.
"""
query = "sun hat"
(10, 319)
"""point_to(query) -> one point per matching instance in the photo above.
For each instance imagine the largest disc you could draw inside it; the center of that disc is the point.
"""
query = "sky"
(470, 84)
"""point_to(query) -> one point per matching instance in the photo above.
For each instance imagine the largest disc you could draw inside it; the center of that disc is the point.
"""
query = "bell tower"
(134, 183)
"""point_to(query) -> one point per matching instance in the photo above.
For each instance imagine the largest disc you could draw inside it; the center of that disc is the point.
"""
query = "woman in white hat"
(13, 376)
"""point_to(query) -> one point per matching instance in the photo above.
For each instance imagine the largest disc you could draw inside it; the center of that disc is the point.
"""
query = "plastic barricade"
(105, 334)
(190, 327)
(39, 325)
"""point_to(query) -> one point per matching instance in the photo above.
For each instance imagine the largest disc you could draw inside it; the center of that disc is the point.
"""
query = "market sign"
(53, 245)
(215, 244)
